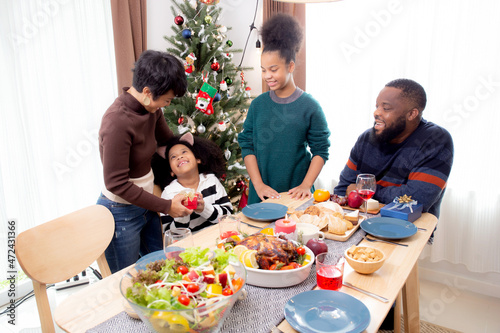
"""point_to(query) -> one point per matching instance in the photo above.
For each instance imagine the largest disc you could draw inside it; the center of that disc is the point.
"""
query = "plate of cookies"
(330, 218)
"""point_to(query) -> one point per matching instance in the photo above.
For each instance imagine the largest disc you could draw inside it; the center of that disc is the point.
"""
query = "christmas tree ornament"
(204, 99)
(186, 33)
(227, 154)
(210, 2)
(180, 120)
(221, 126)
(223, 85)
(228, 55)
(215, 65)
(242, 76)
(248, 92)
(193, 3)
(208, 19)
(201, 129)
(219, 38)
(229, 43)
(222, 29)
(189, 63)
(179, 20)
(217, 97)
(228, 80)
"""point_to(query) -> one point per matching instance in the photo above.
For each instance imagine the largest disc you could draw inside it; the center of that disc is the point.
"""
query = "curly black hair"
(282, 33)
(412, 91)
(209, 154)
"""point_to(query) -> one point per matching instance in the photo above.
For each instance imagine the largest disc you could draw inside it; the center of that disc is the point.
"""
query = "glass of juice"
(179, 237)
(328, 275)
(229, 226)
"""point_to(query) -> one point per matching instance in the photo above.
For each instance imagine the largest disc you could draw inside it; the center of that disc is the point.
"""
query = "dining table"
(397, 281)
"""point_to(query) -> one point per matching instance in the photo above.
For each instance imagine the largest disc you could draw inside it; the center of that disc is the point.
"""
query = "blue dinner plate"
(265, 211)
(321, 311)
(388, 227)
(157, 255)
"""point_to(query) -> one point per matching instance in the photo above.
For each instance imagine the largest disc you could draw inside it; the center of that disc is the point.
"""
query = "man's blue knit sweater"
(419, 166)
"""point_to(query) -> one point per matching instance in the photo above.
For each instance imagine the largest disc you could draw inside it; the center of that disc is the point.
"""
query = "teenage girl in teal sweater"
(285, 135)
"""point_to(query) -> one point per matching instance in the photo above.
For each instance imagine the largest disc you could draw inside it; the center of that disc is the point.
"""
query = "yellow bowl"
(364, 267)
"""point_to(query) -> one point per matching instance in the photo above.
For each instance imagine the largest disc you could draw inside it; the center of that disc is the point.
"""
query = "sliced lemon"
(267, 231)
(239, 249)
(307, 259)
(250, 259)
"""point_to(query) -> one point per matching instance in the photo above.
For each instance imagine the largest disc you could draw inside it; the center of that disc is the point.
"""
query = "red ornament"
(180, 120)
(179, 20)
(215, 66)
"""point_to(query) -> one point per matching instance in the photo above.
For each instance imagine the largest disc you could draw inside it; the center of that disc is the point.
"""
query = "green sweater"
(279, 132)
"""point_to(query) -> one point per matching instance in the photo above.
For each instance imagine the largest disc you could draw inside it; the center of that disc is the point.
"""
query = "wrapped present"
(403, 207)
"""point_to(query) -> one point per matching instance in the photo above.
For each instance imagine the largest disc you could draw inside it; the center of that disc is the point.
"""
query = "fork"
(384, 241)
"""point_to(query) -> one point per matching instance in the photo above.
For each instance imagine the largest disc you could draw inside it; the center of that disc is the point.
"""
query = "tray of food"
(355, 202)
(330, 218)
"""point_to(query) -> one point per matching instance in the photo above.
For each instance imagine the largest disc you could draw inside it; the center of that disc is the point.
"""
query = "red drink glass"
(366, 194)
(329, 276)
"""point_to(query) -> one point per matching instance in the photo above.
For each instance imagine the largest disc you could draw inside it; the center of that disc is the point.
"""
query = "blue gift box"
(403, 214)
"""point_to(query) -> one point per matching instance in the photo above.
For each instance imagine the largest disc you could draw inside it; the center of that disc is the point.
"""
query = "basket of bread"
(330, 218)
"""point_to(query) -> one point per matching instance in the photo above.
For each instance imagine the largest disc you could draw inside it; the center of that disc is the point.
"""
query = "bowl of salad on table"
(189, 291)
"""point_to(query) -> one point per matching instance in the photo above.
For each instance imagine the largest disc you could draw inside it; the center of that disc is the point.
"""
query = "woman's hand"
(266, 192)
(300, 192)
(201, 204)
(177, 209)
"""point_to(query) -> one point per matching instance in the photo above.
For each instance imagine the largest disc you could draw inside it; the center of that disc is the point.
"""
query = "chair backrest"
(60, 249)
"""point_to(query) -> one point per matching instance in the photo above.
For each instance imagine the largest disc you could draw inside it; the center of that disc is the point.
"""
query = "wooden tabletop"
(102, 300)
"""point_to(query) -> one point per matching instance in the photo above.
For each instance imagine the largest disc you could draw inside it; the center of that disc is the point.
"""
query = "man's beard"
(389, 133)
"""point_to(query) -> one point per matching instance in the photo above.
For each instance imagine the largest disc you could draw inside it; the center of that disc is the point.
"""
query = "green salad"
(202, 277)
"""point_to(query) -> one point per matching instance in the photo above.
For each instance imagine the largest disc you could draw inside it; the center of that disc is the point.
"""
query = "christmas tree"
(217, 99)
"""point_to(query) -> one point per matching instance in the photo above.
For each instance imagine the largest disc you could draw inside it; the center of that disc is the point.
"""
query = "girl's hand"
(177, 209)
(300, 192)
(201, 204)
(266, 192)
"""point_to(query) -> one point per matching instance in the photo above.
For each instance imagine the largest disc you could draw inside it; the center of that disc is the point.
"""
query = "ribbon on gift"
(402, 205)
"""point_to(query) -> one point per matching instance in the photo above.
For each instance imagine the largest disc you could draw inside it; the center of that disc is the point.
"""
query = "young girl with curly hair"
(196, 164)
(284, 141)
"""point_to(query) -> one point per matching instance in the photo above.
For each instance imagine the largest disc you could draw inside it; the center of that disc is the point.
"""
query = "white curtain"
(452, 48)
(58, 77)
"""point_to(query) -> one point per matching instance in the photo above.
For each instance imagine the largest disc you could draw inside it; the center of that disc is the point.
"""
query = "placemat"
(262, 309)
(258, 312)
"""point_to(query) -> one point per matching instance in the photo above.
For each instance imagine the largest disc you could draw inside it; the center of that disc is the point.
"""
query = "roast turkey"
(271, 250)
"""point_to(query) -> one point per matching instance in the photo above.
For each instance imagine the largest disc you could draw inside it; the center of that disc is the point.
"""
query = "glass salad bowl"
(176, 300)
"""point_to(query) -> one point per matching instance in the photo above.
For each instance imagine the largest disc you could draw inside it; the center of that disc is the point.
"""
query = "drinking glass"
(366, 184)
(229, 225)
(329, 276)
(180, 237)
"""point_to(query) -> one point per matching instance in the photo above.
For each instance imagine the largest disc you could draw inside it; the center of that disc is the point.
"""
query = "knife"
(380, 298)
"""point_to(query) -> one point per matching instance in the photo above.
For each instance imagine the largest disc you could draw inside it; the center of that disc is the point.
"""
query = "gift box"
(402, 211)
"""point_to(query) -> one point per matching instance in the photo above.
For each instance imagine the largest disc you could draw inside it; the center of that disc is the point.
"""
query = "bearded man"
(407, 154)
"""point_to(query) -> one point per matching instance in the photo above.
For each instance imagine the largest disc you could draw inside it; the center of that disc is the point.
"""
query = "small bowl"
(363, 267)
(279, 279)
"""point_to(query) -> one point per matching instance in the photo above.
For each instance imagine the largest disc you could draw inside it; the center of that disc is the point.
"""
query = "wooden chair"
(62, 248)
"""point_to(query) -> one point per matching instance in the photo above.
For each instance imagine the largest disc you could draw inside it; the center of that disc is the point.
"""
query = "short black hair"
(160, 72)
(282, 33)
(207, 151)
(412, 91)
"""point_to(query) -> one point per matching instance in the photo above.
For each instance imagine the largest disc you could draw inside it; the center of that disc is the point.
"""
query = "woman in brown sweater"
(131, 129)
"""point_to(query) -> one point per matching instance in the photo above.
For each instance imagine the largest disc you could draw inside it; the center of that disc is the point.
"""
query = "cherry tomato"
(273, 267)
(160, 281)
(295, 265)
(182, 269)
(227, 291)
(301, 251)
(184, 300)
(192, 288)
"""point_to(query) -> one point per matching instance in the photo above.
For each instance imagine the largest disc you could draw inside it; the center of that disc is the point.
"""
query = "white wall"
(236, 14)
